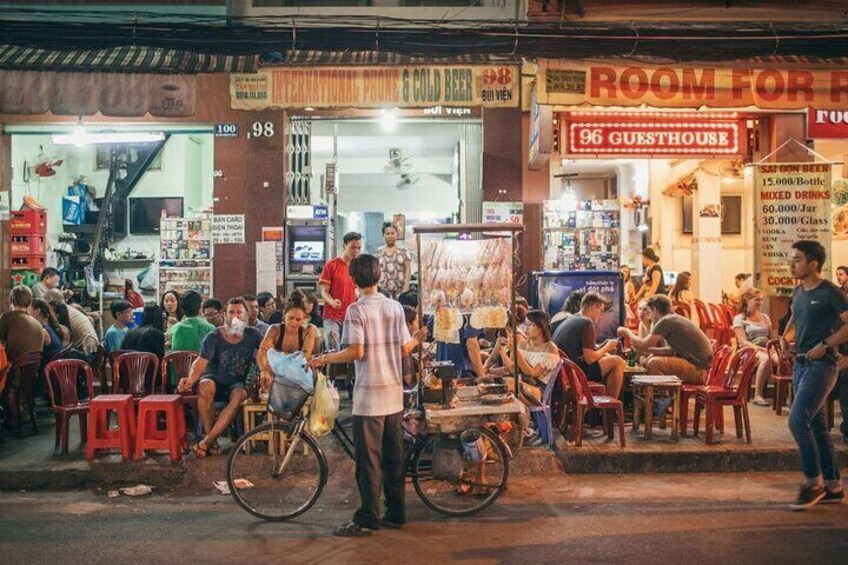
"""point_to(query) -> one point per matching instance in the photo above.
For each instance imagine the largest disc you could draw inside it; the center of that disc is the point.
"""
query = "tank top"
(649, 274)
(279, 345)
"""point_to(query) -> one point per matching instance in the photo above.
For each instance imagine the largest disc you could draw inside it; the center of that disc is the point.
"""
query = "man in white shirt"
(375, 337)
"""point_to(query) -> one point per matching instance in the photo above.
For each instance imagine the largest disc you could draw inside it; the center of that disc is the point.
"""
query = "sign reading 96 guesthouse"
(793, 202)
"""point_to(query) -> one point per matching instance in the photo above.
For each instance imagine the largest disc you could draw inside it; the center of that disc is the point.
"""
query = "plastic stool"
(173, 437)
(99, 434)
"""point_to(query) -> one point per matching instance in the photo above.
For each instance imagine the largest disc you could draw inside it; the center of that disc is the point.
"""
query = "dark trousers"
(378, 446)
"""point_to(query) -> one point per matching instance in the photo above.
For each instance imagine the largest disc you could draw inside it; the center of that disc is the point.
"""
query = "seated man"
(83, 335)
(465, 355)
(687, 355)
(212, 312)
(123, 314)
(576, 337)
(20, 333)
(226, 355)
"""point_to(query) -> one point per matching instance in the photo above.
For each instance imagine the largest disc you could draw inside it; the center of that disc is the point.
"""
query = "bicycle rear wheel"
(277, 493)
(454, 482)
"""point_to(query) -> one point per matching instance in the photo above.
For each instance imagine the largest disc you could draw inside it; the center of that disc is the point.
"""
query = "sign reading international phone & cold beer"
(661, 134)
(793, 202)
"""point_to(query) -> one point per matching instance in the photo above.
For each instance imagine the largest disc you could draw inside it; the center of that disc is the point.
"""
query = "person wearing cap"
(576, 337)
(687, 353)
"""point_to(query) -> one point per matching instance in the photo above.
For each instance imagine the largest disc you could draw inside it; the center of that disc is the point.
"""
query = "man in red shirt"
(338, 289)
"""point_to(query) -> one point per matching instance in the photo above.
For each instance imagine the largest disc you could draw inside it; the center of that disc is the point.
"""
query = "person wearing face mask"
(226, 356)
(290, 336)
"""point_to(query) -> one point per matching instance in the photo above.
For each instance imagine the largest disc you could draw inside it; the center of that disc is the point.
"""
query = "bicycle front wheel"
(460, 474)
(276, 476)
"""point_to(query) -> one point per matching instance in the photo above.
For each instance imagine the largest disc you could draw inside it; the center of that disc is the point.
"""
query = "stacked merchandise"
(585, 238)
(28, 245)
(185, 262)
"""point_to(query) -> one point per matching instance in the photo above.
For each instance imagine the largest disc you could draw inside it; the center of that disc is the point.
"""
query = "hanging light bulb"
(78, 136)
(569, 198)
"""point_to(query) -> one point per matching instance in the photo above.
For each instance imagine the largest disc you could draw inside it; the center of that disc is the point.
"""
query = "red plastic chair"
(682, 309)
(19, 388)
(715, 376)
(733, 392)
(181, 361)
(704, 320)
(67, 403)
(571, 406)
(134, 373)
(729, 314)
(781, 375)
(721, 328)
(586, 401)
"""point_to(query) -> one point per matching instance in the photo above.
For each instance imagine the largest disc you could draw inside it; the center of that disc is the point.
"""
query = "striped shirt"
(377, 323)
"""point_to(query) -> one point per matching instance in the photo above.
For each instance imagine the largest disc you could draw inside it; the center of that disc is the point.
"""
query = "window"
(731, 215)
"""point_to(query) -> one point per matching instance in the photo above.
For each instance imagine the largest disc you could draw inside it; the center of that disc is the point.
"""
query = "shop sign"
(376, 87)
(84, 94)
(541, 133)
(823, 124)
(503, 212)
(227, 228)
(598, 84)
(793, 202)
(5, 208)
(660, 134)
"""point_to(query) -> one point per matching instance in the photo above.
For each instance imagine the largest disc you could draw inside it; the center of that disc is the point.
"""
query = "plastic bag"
(325, 407)
(291, 368)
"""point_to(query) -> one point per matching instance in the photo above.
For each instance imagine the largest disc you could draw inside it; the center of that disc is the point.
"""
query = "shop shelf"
(28, 222)
(35, 262)
(29, 244)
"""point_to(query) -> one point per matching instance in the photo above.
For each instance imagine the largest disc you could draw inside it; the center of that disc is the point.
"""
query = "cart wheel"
(473, 478)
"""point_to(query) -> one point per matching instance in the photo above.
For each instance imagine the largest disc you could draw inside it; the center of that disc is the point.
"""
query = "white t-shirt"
(377, 323)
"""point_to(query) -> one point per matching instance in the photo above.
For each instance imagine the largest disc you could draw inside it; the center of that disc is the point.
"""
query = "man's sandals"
(201, 450)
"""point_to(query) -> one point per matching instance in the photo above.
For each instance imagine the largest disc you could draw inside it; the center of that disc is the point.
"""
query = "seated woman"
(538, 356)
(149, 336)
(293, 334)
(52, 330)
(752, 327)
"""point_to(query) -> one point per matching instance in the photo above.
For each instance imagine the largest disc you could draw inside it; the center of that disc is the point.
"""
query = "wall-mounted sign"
(793, 202)
(376, 87)
(5, 208)
(227, 228)
(503, 212)
(573, 83)
(541, 132)
(660, 134)
(226, 130)
(822, 124)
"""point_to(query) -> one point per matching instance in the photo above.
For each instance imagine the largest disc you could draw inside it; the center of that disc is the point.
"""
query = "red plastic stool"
(99, 434)
(173, 437)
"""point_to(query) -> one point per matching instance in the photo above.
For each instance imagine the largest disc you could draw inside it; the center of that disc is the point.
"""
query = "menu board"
(793, 203)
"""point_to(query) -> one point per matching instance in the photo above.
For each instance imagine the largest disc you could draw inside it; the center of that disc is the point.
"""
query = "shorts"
(592, 371)
(224, 389)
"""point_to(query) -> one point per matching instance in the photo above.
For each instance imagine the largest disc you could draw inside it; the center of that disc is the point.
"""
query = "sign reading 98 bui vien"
(376, 87)
(793, 202)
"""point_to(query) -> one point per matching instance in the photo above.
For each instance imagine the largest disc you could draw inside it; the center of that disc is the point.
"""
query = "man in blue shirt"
(114, 337)
(465, 354)
(820, 324)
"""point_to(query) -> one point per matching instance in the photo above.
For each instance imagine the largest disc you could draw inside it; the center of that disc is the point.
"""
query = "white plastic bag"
(325, 407)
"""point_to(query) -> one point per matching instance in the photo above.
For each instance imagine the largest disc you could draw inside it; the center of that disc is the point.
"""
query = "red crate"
(30, 244)
(29, 262)
(28, 222)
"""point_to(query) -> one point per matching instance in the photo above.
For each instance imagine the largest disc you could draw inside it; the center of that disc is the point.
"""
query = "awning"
(333, 58)
(127, 59)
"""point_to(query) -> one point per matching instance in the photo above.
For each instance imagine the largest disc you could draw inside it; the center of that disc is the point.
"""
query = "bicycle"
(454, 474)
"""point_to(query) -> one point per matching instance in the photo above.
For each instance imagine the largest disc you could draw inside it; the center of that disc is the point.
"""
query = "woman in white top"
(753, 329)
(538, 356)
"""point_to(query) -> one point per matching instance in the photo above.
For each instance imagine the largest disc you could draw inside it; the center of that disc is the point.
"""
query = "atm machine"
(308, 245)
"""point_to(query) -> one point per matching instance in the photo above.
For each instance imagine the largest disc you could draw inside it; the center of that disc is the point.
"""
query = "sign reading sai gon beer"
(376, 87)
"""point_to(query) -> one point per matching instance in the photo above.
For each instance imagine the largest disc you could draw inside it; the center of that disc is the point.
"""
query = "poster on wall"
(228, 228)
(793, 202)
(266, 272)
(503, 212)
(5, 208)
(549, 290)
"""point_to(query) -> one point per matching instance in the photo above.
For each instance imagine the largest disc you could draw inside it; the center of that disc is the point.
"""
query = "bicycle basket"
(286, 399)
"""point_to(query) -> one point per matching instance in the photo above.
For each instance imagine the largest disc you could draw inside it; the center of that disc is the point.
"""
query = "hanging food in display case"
(585, 237)
(466, 276)
(185, 262)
